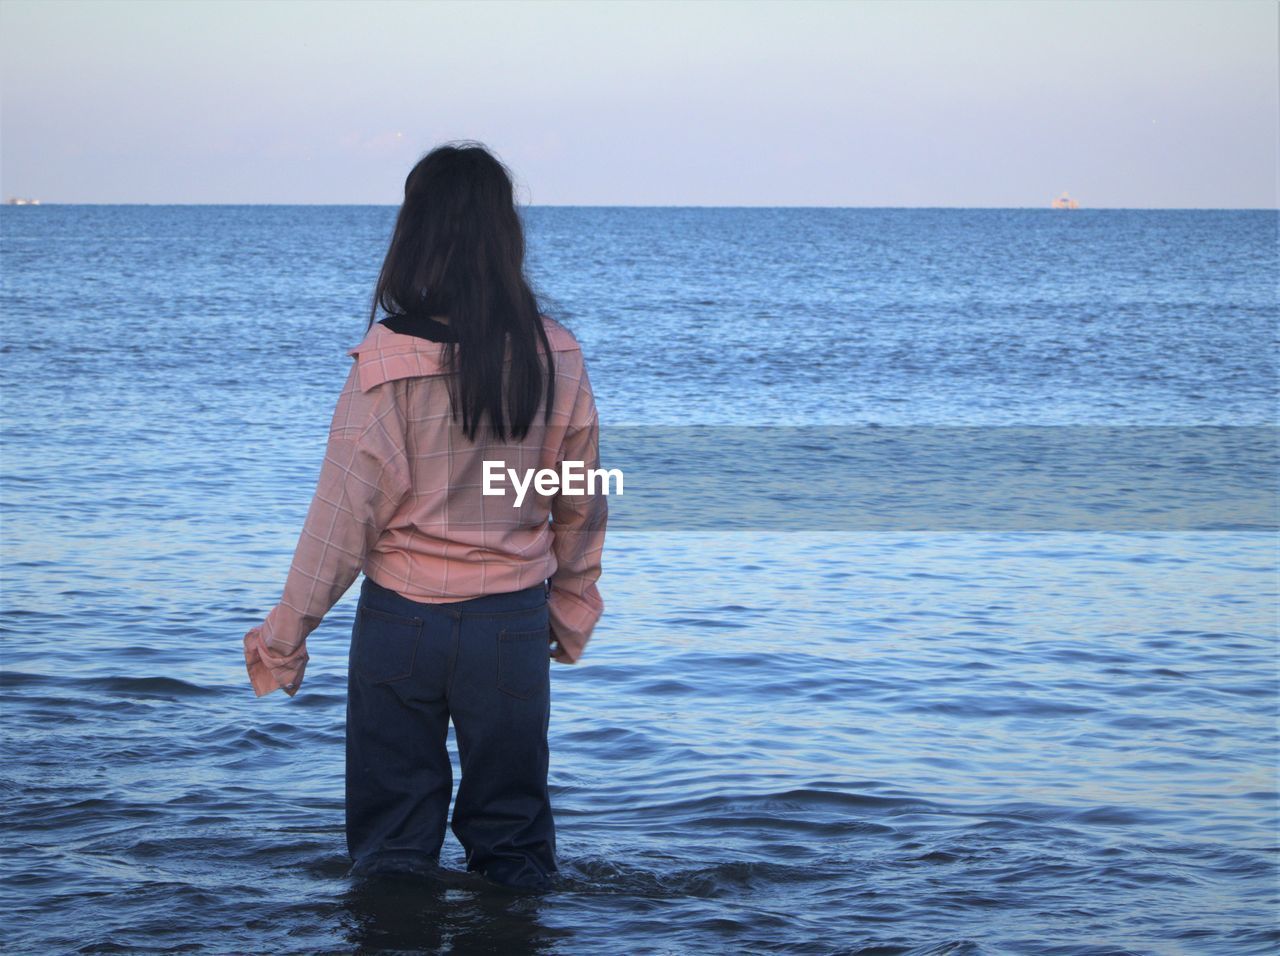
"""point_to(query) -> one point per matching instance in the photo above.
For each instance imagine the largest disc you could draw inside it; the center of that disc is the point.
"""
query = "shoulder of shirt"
(384, 355)
(561, 339)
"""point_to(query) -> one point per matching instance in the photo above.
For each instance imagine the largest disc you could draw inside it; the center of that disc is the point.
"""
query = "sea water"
(897, 719)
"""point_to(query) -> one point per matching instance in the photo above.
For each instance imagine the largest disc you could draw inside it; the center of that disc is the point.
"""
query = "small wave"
(702, 622)
(148, 686)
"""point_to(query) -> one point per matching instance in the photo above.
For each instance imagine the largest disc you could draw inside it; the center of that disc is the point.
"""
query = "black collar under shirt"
(422, 326)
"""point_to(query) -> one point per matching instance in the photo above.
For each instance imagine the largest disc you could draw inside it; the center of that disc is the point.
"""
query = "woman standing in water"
(466, 597)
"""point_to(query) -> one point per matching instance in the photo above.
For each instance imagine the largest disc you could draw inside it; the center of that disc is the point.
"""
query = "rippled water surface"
(795, 738)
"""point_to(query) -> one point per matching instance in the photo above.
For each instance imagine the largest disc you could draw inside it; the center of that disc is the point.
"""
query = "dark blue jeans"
(485, 663)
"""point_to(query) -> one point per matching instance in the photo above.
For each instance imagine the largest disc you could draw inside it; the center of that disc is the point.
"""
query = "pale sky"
(1123, 104)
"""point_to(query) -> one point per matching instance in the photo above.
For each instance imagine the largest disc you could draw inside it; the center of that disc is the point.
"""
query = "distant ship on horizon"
(23, 201)
(1064, 202)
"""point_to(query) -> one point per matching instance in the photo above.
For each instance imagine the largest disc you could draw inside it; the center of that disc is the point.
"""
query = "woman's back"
(401, 492)
(449, 540)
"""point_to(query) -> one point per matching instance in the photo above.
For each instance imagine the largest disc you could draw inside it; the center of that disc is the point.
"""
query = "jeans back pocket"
(524, 661)
(384, 645)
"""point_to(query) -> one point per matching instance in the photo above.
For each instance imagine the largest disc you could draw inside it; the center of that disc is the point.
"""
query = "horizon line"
(394, 205)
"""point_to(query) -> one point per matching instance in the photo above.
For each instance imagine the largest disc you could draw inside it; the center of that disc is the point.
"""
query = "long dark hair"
(458, 251)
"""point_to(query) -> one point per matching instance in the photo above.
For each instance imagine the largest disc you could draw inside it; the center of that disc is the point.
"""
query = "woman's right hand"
(267, 671)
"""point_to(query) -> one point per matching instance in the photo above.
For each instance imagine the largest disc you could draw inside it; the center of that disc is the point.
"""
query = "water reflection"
(446, 911)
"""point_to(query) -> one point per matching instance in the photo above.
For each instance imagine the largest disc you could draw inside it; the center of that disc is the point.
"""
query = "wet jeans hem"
(395, 861)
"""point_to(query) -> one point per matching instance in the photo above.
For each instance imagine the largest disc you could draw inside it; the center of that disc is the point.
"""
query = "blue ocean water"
(801, 738)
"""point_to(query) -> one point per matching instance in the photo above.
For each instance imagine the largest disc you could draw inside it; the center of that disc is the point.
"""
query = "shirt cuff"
(573, 618)
(268, 671)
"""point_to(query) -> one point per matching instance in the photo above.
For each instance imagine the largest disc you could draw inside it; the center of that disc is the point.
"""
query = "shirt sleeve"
(363, 480)
(578, 528)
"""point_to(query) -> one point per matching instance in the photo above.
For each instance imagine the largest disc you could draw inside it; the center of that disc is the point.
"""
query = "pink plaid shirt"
(399, 497)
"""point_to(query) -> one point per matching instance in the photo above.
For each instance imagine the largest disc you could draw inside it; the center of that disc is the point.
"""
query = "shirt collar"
(384, 355)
